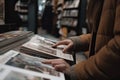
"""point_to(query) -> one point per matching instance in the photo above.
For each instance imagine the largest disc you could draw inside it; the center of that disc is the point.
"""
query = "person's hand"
(58, 64)
(67, 42)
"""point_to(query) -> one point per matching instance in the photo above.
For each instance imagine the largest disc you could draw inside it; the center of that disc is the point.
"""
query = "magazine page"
(26, 62)
(13, 73)
(40, 39)
(40, 45)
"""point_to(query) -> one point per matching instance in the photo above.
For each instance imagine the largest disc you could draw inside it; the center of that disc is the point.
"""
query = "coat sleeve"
(81, 43)
(105, 65)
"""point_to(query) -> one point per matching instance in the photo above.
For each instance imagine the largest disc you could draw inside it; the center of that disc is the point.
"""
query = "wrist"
(69, 73)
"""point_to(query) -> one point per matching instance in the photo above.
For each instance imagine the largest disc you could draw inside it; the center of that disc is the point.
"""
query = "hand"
(58, 64)
(67, 42)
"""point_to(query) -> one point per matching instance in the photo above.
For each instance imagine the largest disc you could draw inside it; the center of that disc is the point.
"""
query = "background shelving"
(70, 18)
(73, 20)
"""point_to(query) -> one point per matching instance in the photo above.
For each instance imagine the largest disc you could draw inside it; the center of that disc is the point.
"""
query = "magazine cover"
(41, 46)
(29, 63)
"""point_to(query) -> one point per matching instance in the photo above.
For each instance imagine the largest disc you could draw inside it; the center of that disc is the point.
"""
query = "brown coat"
(105, 64)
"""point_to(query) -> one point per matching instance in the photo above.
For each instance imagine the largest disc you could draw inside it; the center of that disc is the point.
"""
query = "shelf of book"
(70, 15)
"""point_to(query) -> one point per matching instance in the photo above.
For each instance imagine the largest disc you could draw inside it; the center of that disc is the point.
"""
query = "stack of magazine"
(42, 47)
(12, 39)
(26, 64)
(18, 66)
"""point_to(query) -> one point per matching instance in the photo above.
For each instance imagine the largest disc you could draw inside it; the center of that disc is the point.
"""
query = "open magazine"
(20, 66)
(40, 46)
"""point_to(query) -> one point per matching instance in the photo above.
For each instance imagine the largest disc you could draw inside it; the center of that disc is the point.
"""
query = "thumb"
(58, 43)
(67, 48)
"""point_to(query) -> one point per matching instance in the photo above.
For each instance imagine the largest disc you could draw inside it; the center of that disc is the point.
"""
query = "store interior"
(31, 29)
(59, 18)
(54, 19)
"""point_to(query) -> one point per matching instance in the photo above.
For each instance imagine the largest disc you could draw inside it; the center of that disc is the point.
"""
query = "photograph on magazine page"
(23, 62)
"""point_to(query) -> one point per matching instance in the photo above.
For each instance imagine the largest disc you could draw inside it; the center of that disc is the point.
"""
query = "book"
(71, 22)
(40, 46)
(70, 13)
(18, 66)
(71, 4)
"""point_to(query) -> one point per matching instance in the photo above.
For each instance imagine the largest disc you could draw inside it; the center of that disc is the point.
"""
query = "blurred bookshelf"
(73, 18)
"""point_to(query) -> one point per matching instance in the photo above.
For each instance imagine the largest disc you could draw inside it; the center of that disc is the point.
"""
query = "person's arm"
(82, 42)
(105, 64)
(77, 43)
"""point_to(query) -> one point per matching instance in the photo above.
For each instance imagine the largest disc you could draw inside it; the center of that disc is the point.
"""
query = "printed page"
(40, 44)
(13, 73)
(26, 62)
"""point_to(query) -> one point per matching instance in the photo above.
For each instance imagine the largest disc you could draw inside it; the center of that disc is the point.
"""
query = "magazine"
(13, 39)
(13, 73)
(40, 46)
(13, 36)
(25, 63)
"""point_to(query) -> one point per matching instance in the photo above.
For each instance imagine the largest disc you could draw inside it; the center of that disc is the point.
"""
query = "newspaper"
(21, 65)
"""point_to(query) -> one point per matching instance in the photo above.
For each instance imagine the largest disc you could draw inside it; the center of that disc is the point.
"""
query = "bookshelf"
(70, 18)
(59, 12)
(73, 20)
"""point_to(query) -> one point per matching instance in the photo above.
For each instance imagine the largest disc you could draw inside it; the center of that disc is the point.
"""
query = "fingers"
(59, 43)
(58, 64)
(47, 61)
(53, 61)
(67, 48)
(60, 67)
